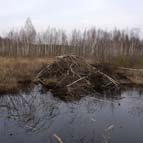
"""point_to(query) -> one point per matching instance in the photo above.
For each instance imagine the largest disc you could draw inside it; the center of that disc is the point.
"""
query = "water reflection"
(33, 110)
(36, 117)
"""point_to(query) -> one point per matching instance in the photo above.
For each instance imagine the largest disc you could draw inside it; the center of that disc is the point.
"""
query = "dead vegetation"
(16, 73)
(130, 76)
(72, 76)
(121, 47)
(65, 76)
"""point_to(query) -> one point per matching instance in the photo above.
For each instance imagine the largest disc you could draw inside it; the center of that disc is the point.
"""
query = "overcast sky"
(69, 14)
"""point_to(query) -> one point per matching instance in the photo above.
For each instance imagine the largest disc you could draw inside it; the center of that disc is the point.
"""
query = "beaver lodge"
(72, 76)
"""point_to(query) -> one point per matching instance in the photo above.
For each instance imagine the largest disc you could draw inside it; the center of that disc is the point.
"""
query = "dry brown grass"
(13, 70)
(17, 70)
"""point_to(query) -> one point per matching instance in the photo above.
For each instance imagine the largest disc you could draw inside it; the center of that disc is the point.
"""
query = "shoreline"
(17, 74)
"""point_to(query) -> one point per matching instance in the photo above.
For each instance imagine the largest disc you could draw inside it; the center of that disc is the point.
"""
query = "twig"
(42, 71)
(40, 81)
(74, 73)
(76, 81)
(58, 138)
(130, 69)
(111, 79)
(108, 84)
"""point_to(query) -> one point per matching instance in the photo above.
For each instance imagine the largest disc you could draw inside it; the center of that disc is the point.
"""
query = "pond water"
(35, 117)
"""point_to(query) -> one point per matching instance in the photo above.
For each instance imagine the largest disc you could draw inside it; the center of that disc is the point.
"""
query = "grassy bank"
(15, 71)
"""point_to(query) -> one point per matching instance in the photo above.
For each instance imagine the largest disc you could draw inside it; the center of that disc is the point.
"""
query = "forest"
(124, 47)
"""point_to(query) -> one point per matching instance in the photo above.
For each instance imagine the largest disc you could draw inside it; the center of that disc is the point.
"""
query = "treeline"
(90, 43)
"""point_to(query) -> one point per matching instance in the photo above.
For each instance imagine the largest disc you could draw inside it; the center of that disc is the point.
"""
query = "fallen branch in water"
(58, 138)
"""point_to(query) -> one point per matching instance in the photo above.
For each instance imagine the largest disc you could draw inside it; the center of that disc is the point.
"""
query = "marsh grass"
(128, 61)
(13, 70)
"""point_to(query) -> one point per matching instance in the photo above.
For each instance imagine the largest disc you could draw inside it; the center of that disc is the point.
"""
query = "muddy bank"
(21, 86)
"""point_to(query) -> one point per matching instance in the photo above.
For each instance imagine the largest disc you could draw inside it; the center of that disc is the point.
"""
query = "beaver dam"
(71, 76)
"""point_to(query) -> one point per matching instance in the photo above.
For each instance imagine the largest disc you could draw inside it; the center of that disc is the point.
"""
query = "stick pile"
(71, 76)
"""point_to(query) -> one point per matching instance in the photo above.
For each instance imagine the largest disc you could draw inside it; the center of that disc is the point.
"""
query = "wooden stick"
(111, 79)
(58, 138)
(43, 70)
(76, 81)
(130, 69)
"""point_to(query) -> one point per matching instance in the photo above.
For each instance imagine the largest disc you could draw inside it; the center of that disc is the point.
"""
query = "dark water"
(35, 117)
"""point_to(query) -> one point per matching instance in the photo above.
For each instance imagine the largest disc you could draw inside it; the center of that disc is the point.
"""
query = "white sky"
(69, 14)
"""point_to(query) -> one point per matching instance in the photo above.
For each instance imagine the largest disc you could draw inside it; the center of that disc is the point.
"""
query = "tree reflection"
(32, 110)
